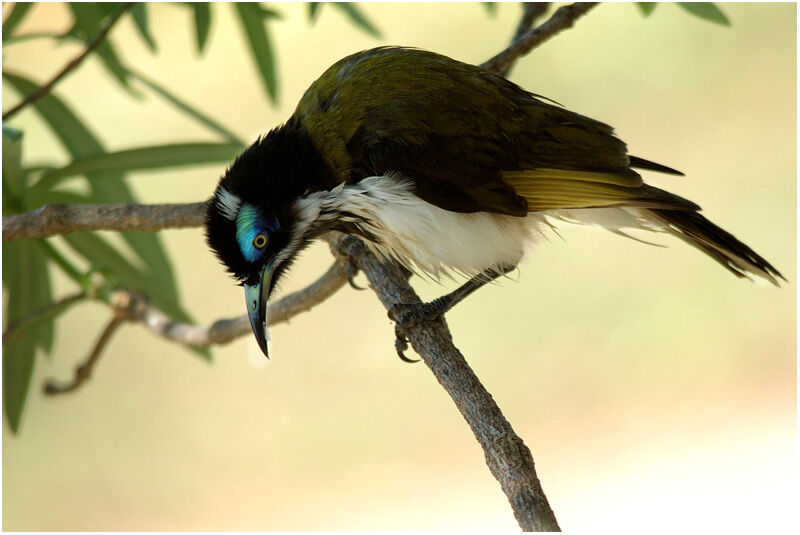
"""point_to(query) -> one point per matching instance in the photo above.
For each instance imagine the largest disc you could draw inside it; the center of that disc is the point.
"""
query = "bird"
(444, 167)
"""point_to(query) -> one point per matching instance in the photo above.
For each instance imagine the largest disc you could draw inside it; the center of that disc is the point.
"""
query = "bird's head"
(255, 223)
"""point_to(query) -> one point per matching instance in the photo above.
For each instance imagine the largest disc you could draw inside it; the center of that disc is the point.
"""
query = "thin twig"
(59, 219)
(508, 458)
(531, 11)
(563, 18)
(72, 65)
(84, 371)
(17, 328)
(136, 308)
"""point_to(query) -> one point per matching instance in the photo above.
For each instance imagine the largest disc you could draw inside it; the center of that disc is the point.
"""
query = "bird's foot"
(406, 315)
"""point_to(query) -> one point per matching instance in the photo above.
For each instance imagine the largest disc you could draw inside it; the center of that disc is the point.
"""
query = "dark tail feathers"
(719, 244)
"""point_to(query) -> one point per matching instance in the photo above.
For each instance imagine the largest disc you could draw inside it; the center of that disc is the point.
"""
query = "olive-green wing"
(470, 140)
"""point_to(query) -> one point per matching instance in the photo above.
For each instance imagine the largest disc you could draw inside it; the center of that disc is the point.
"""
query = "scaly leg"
(406, 315)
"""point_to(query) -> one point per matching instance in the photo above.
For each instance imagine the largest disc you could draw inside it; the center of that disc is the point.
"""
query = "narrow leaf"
(27, 284)
(21, 38)
(646, 7)
(154, 157)
(313, 11)
(202, 23)
(255, 28)
(88, 20)
(356, 17)
(106, 187)
(201, 117)
(13, 177)
(707, 11)
(18, 360)
(17, 15)
(139, 12)
(41, 296)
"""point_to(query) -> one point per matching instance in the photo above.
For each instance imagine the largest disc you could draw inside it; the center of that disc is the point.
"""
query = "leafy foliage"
(705, 10)
(646, 7)
(26, 264)
(350, 10)
(253, 18)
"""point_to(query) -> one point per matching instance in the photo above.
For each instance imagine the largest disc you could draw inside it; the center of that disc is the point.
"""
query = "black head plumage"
(269, 175)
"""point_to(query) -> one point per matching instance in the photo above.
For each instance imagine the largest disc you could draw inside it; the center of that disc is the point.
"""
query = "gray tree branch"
(59, 219)
(84, 371)
(508, 458)
(531, 11)
(134, 307)
(563, 18)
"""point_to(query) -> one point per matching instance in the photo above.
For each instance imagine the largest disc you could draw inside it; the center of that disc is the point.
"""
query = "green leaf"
(105, 187)
(21, 38)
(491, 8)
(13, 177)
(186, 108)
(18, 13)
(153, 157)
(202, 23)
(646, 7)
(18, 360)
(707, 11)
(313, 11)
(356, 17)
(252, 16)
(89, 17)
(42, 295)
(27, 283)
(139, 12)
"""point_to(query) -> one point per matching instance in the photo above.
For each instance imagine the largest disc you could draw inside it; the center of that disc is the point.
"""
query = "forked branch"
(563, 18)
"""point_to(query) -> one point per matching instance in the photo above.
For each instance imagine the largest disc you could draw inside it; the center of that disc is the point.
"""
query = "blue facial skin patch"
(249, 224)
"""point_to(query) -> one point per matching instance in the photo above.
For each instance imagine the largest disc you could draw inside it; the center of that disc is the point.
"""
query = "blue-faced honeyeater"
(442, 166)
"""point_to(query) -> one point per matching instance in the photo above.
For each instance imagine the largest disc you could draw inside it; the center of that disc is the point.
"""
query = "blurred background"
(655, 390)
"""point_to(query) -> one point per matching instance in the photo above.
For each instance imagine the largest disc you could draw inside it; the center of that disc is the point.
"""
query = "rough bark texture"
(59, 219)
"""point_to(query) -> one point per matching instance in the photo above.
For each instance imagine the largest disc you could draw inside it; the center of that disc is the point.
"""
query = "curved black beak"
(256, 297)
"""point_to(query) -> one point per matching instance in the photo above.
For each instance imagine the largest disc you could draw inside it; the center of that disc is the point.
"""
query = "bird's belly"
(426, 238)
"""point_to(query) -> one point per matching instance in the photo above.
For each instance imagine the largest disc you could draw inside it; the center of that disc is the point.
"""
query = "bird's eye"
(260, 241)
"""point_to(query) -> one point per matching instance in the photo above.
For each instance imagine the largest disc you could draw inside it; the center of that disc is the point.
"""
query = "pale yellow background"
(655, 390)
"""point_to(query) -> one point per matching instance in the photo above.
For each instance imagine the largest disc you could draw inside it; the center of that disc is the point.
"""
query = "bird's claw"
(406, 315)
(353, 285)
(401, 343)
(351, 270)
